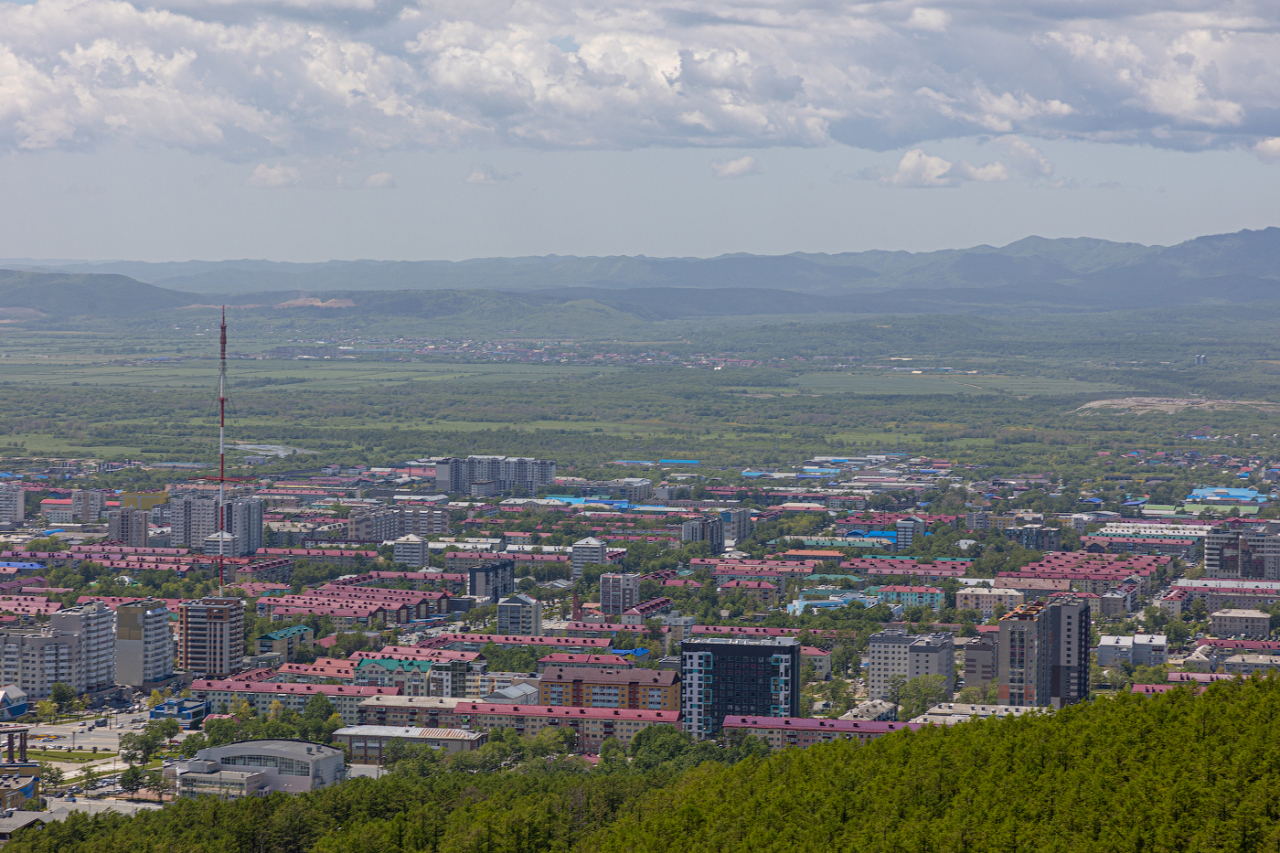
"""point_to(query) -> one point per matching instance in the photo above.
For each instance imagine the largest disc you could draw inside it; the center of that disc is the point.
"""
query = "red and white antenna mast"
(222, 444)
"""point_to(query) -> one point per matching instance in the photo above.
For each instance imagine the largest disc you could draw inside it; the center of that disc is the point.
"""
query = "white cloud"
(919, 170)
(935, 20)
(735, 168)
(1025, 159)
(278, 175)
(486, 175)
(251, 80)
(1268, 149)
(380, 181)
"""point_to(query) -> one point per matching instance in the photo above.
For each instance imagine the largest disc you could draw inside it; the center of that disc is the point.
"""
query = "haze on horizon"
(306, 130)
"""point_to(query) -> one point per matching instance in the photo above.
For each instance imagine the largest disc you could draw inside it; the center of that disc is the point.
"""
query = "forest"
(1160, 774)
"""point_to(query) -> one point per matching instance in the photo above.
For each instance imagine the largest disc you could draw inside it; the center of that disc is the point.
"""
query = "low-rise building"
(1140, 650)
(222, 694)
(986, 601)
(648, 689)
(783, 732)
(260, 767)
(368, 744)
(950, 713)
(286, 641)
(431, 712)
(913, 596)
(593, 726)
(1240, 623)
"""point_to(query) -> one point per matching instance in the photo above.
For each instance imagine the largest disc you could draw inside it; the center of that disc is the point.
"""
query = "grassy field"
(903, 382)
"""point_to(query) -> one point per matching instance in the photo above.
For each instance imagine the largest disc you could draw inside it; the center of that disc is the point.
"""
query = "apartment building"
(1236, 553)
(592, 726)
(193, 518)
(95, 626)
(647, 689)
(784, 732)
(1240, 623)
(724, 676)
(492, 578)
(286, 641)
(87, 505)
(736, 524)
(144, 643)
(36, 659)
(520, 475)
(520, 614)
(222, 694)
(894, 655)
(211, 636)
(985, 601)
(980, 660)
(1043, 653)
(130, 526)
(619, 592)
(708, 528)
(13, 503)
(385, 524)
(242, 518)
(589, 550)
(1140, 650)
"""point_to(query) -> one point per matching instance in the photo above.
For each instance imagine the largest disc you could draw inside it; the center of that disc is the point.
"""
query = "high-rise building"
(522, 475)
(144, 643)
(898, 657)
(1042, 658)
(723, 676)
(129, 526)
(412, 551)
(13, 506)
(736, 524)
(908, 529)
(520, 615)
(492, 578)
(980, 661)
(211, 636)
(1236, 553)
(385, 524)
(619, 592)
(589, 550)
(87, 505)
(95, 626)
(707, 528)
(37, 658)
(242, 518)
(193, 518)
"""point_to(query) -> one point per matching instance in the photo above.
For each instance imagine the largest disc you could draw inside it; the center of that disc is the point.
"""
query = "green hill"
(1130, 774)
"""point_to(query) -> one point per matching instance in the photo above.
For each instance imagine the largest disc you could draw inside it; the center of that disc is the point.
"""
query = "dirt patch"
(312, 302)
(1169, 405)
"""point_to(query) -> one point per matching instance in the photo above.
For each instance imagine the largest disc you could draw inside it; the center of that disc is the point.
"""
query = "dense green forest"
(1164, 774)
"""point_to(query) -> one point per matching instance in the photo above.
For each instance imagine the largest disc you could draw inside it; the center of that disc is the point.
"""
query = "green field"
(904, 382)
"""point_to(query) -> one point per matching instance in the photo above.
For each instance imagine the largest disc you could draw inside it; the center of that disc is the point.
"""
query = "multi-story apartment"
(979, 661)
(36, 659)
(985, 601)
(521, 475)
(1240, 623)
(211, 636)
(520, 614)
(144, 643)
(193, 518)
(384, 524)
(619, 592)
(1037, 537)
(129, 526)
(1043, 654)
(95, 626)
(13, 507)
(412, 550)
(896, 656)
(977, 520)
(723, 676)
(589, 550)
(242, 518)
(736, 524)
(907, 530)
(648, 689)
(1139, 650)
(492, 578)
(707, 528)
(1235, 553)
(286, 641)
(87, 505)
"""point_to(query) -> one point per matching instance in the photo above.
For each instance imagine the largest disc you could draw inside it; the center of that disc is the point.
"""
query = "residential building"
(977, 520)
(761, 593)
(520, 614)
(913, 596)
(492, 579)
(591, 726)
(222, 694)
(412, 550)
(1240, 623)
(286, 641)
(13, 503)
(679, 628)
(950, 713)
(589, 550)
(1140, 650)
(367, 744)
(707, 529)
(986, 601)
(979, 660)
(211, 636)
(95, 625)
(1036, 537)
(144, 643)
(259, 767)
(242, 518)
(785, 732)
(646, 689)
(193, 518)
(619, 592)
(519, 475)
(724, 676)
(129, 526)
(908, 529)
(1236, 553)
(1043, 653)
(736, 524)
(35, 659)
(87, 505)
(384, 524)
(896, 657)
(418, 711)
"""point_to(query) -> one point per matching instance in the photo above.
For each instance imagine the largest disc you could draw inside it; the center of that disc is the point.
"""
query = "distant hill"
(61, 295)
(1028, 262)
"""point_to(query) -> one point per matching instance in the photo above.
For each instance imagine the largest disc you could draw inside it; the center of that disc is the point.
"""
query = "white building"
(589, 550)
(1141, 650)
(12, 503)
(193, 518)
(520, 615)
(894, 652)
(144, 643)
(260, 767)
(412, 550)
(242, 518)
(95, 626)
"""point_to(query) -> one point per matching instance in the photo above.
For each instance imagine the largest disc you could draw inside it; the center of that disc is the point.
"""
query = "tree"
(920, 694)
(167, 728)
(157, 784)
(50, 776)
(62, 695)
(156, 698)
(46, 711)
(132, 780)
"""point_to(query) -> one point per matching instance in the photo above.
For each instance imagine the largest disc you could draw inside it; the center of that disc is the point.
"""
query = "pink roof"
(563, 712)
(878, 727)
(293, 688)
(594, 660)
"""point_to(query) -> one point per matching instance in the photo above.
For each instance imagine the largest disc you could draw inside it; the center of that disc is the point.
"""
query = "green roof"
(395, 665)
(285, 633)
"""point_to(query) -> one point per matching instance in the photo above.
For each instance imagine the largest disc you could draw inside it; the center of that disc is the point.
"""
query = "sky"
(307, 130)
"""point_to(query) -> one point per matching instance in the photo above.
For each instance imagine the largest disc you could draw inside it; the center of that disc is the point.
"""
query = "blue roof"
(679, 462)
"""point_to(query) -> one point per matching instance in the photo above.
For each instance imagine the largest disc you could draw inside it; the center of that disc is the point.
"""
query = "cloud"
(253, 80)
(919, 170)
(1268, 150)
(486, 175)
(735, 168)
(278, 175)
(1026, 159)
(380, 181)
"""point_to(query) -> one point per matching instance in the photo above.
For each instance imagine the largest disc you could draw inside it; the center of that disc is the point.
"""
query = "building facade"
(896, 657)
(520, 614)
(129, 526)
(193, 518)
(707, 528)
(1234, 622)
(211, 636)
(725, 676)
(260, 767)
(95, 626)
(493, 578)
(1043, 653)
(589, 550)
(639, 689)
(13, 503)
(144, 643)
(619, 592)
